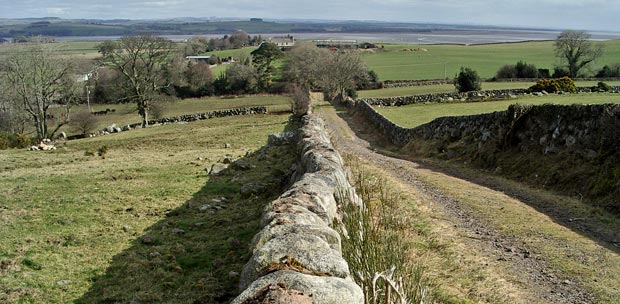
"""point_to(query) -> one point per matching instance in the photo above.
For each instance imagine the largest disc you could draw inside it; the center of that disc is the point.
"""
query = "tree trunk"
(145, 120)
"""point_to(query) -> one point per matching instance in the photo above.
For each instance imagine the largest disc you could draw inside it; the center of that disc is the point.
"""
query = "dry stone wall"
(445, 97)
(547, 128)
(185, 118)
(468, 96)
(297, 256)
(414, 83)
(530, 143)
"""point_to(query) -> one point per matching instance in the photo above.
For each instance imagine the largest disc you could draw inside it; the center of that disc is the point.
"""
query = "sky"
(555, 14)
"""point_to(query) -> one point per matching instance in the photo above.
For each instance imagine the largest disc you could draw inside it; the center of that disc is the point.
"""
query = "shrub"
(102, 151)
(15, 140)
(609, 71)
(368, 82)
(559, 72)
(564, 84)
(525, 70)
(467, 80)
(22, 141)
(519, 70)
(544, 73)
(601, 86)
(83, 122)
(157, 110)
(506, 72)
(301, 101)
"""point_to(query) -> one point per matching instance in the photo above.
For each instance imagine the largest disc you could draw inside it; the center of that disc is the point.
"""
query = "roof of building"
(197, 57)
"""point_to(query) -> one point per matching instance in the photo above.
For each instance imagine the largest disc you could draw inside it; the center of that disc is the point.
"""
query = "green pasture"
(406, 61)
(411, 116)
(444, 88)
(143, 223)
(127, 113)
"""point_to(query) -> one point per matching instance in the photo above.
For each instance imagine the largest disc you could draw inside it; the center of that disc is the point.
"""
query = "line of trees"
(238, 39)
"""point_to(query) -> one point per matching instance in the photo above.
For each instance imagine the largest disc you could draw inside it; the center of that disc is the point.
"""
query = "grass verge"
(398, 235)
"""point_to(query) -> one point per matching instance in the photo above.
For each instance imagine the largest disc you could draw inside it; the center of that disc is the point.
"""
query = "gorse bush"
(15, 140)
(609, 71)
(564, 84)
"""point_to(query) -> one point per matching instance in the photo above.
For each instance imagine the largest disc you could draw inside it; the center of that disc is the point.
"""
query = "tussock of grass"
(376, 247)
(393, 232)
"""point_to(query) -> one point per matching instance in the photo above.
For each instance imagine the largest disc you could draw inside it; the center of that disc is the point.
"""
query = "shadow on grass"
(196, 253)
(599, 226)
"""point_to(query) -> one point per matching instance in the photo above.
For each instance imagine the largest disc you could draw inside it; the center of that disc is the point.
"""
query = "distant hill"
(193, 26)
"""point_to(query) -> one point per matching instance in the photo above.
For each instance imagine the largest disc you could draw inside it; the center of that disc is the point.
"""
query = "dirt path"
(518, 269)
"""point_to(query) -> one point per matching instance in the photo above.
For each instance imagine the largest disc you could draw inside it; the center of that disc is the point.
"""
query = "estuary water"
(464, 37)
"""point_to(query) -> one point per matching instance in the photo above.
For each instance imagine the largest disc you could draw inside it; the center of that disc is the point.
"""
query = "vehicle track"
(527, 276)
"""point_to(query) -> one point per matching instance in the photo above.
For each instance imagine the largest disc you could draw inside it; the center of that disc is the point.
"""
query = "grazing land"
(411, 116)
(73, 226)
(128, 114)
(406, 61)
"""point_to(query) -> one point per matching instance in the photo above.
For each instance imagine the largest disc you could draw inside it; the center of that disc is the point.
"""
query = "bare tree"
(338, 72)
(84, 122)
(140, 59)
(239, 39)
(36, 76)
(12, 118)
(577, 49)
(303, 64)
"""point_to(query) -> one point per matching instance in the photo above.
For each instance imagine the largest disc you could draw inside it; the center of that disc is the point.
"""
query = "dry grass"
(437, 263)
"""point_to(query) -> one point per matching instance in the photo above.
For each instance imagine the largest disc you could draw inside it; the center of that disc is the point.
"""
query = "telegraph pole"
(88, 99)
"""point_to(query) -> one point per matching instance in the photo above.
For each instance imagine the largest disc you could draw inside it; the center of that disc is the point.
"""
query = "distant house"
(283, 42)
(198, 58)
(367, 45)
(336, 44)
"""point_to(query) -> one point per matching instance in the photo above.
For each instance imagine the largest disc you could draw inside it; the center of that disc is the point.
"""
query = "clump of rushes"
(374, 246)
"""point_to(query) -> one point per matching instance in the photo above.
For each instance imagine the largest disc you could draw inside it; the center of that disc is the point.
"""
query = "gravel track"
(534, 279)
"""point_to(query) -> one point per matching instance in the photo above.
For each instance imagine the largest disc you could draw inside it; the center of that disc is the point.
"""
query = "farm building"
(336, 44)
(198, 58)
(283, 41)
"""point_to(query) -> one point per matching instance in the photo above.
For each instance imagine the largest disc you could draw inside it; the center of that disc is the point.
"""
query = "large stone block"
(323, 290)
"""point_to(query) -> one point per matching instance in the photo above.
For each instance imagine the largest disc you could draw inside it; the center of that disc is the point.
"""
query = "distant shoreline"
(447, 37)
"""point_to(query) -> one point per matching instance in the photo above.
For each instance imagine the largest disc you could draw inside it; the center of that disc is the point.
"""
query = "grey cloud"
(587, 14)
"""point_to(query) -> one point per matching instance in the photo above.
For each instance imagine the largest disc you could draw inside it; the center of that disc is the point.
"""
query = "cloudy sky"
(558, 14)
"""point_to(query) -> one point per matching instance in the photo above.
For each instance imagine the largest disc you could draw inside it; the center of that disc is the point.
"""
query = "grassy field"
(444, 88)
(140, 225)
(127, 113)
(414, 115)
(404, 61)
